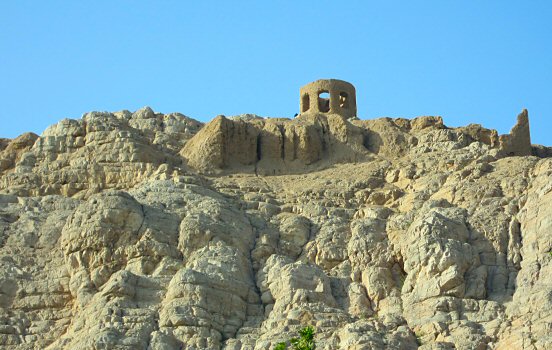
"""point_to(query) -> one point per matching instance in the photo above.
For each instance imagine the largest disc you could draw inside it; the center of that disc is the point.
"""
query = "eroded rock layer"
(150, 231)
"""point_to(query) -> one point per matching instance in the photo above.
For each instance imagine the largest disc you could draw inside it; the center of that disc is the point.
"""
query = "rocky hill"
(150, 231)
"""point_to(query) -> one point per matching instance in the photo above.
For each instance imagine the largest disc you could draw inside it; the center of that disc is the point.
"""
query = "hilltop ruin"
(325, 132)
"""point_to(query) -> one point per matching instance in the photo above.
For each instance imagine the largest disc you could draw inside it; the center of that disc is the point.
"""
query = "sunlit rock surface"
(150, 231)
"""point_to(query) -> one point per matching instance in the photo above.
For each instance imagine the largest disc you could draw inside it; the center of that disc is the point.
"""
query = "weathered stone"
(151, 231)
(518, 141)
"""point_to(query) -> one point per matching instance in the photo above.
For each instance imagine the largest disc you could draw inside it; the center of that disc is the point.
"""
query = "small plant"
(304, 342)
(419, 335)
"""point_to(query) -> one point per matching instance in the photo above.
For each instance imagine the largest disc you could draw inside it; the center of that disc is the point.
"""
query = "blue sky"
(468, 61)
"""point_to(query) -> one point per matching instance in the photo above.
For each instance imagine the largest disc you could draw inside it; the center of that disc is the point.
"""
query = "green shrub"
(304, 342)
(419, 335)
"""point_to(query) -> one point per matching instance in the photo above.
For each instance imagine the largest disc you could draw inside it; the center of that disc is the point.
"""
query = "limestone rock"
(12, 150)
(142, 230)
(100, 151)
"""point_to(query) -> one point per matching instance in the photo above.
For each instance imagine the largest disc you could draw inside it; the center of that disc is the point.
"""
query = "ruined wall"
(275, 146)
(518, 141)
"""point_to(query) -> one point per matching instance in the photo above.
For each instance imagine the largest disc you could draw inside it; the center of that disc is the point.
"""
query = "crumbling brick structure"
(329, 96)
(518, 141)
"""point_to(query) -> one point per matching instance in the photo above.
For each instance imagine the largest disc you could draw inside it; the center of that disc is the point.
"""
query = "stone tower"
(329, 96)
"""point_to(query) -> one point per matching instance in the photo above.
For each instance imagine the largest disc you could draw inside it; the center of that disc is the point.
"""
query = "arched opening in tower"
(324, 101)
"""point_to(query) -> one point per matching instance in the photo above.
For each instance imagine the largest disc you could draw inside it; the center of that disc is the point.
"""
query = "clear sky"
(468, 61)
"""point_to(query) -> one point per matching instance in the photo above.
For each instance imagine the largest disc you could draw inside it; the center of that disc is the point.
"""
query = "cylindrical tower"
(329, 96)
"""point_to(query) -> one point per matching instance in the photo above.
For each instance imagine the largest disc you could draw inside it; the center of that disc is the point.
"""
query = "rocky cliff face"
(150, 231)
